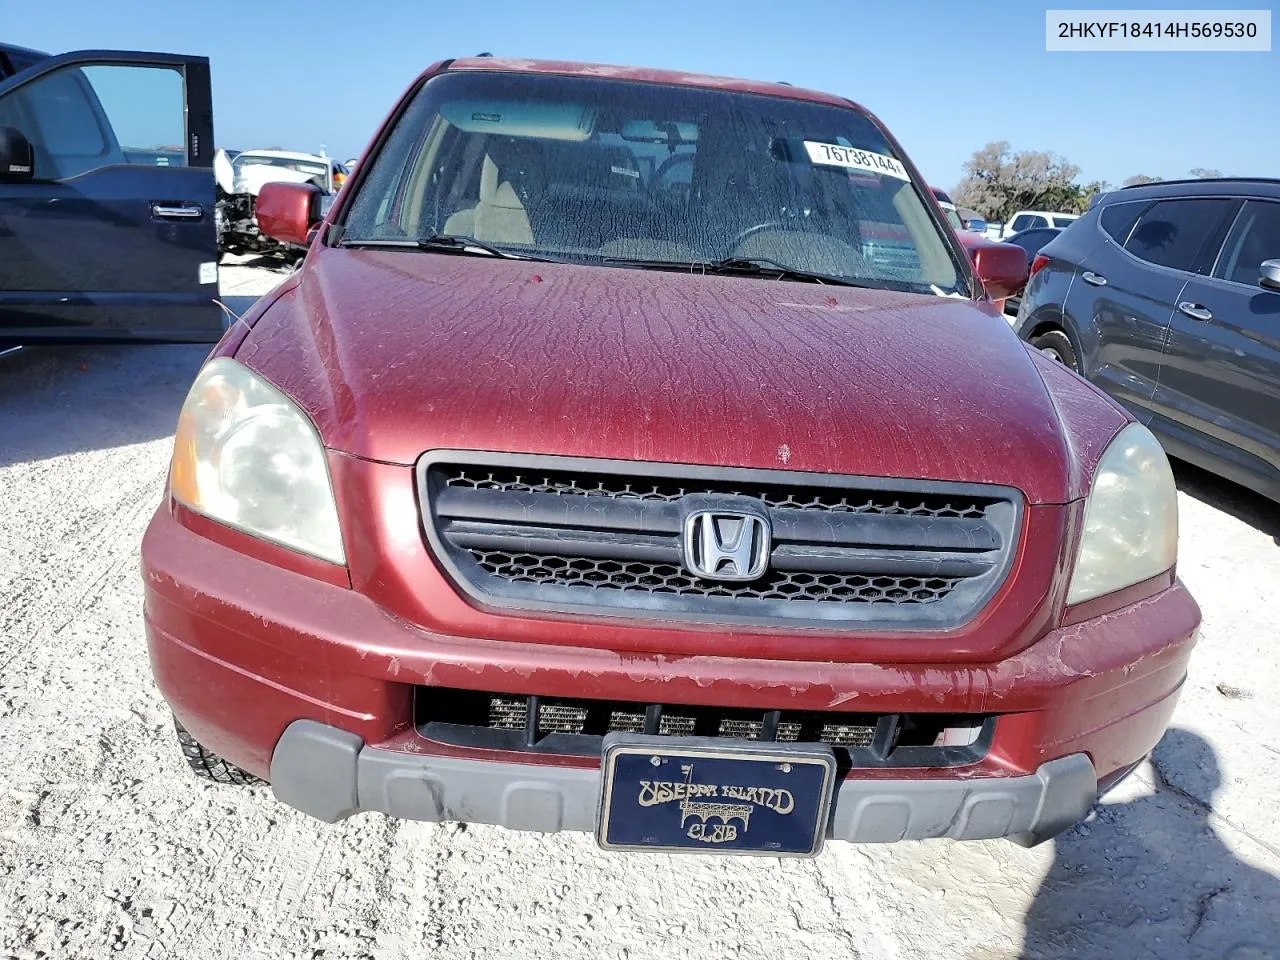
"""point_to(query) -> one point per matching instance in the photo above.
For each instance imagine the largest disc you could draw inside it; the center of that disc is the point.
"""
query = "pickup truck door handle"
(170, 211)
(1195, 311)
(1090, 277)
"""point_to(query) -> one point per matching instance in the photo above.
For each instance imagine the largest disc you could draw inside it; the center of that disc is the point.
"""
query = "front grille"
(565, 725)
(515, 480)
(606, 536)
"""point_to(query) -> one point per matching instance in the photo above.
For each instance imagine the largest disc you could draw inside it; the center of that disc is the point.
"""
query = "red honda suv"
(638, 452)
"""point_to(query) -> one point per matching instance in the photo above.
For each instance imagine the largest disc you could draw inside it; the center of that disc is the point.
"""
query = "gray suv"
(1167, 296)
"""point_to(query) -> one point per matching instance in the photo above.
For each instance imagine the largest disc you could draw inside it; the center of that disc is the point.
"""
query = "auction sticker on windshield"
(834, 155)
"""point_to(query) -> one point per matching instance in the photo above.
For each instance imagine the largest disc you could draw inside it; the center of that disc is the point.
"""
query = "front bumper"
(245, 651)
(330, 774)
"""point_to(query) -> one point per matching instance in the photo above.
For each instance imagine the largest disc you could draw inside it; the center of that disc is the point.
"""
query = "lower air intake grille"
(511, 722)
(573, 716)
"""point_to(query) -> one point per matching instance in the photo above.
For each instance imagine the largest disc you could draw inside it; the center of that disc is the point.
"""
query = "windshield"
(300, 166)
(953, 218)
(608, 171)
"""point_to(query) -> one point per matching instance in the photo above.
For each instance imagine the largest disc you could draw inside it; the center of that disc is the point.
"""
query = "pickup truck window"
(622, 173)
(82, 118)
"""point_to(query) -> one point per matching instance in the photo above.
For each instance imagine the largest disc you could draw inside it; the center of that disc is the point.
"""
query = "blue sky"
(946, 77)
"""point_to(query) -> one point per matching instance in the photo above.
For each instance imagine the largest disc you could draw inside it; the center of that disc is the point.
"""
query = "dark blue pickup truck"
(106, 198)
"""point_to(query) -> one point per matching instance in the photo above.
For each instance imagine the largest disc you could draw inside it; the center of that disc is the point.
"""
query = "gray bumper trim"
(329, 774)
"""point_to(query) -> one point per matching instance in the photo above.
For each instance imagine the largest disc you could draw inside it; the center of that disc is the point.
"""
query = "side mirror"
(1002, 268)
(288, 211)
(17, 159)
(1269, 275)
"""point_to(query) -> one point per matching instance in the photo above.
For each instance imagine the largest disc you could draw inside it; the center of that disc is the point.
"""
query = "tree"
(998, 182)
(1140, 178)
(1085, 194)
(1205, 173)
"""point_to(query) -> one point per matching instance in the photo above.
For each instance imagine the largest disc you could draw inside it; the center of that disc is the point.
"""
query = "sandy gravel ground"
(110, 848)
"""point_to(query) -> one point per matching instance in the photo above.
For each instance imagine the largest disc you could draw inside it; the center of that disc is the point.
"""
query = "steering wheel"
(744, 235)
(655, 182)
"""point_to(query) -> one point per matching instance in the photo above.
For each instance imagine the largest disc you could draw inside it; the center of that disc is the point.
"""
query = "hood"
(223, 173)
(394, 353)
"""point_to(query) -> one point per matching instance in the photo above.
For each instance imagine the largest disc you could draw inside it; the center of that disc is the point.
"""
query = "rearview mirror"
(17, 159)
(1269, 275)
(1002, 268)
(650, 131)
(288, 211)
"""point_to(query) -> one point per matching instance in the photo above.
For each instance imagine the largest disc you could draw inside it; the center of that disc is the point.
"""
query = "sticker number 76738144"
(834, 155)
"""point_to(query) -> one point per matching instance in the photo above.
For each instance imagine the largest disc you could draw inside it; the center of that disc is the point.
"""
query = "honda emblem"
(726, 545)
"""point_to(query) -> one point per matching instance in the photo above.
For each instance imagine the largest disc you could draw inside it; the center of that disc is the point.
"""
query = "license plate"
(697, 794)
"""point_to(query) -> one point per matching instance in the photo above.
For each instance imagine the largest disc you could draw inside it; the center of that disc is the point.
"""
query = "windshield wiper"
(443, 243)
(752, 267)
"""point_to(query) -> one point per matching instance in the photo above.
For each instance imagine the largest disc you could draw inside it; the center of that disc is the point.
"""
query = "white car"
(252, 168)
(1030, 219)
(241, 179)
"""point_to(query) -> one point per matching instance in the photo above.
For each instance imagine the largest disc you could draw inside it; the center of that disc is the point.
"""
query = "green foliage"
(998, 183)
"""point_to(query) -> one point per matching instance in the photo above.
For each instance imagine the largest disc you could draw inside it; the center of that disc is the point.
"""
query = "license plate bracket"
(706, 795)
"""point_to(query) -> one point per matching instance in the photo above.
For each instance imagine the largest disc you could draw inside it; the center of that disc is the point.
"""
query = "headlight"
(1130, 520)
(245, 456)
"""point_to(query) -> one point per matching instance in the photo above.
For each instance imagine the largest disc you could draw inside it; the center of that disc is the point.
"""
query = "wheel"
(1057, 345)
(208, 765)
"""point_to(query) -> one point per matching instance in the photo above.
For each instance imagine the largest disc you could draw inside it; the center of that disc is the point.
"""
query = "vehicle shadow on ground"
(1240, 502)
(60, 400)
(277, 264)
(1152, 878)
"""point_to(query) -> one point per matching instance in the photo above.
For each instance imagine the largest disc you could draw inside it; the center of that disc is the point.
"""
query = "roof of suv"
(647, 75)
(1258, 186)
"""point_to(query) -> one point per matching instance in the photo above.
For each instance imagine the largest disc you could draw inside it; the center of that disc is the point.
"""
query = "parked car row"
(1022, 221)
(1167, 296)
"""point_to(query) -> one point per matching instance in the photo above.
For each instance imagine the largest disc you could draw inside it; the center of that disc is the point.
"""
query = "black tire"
(1058, 346)
(210, 766)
